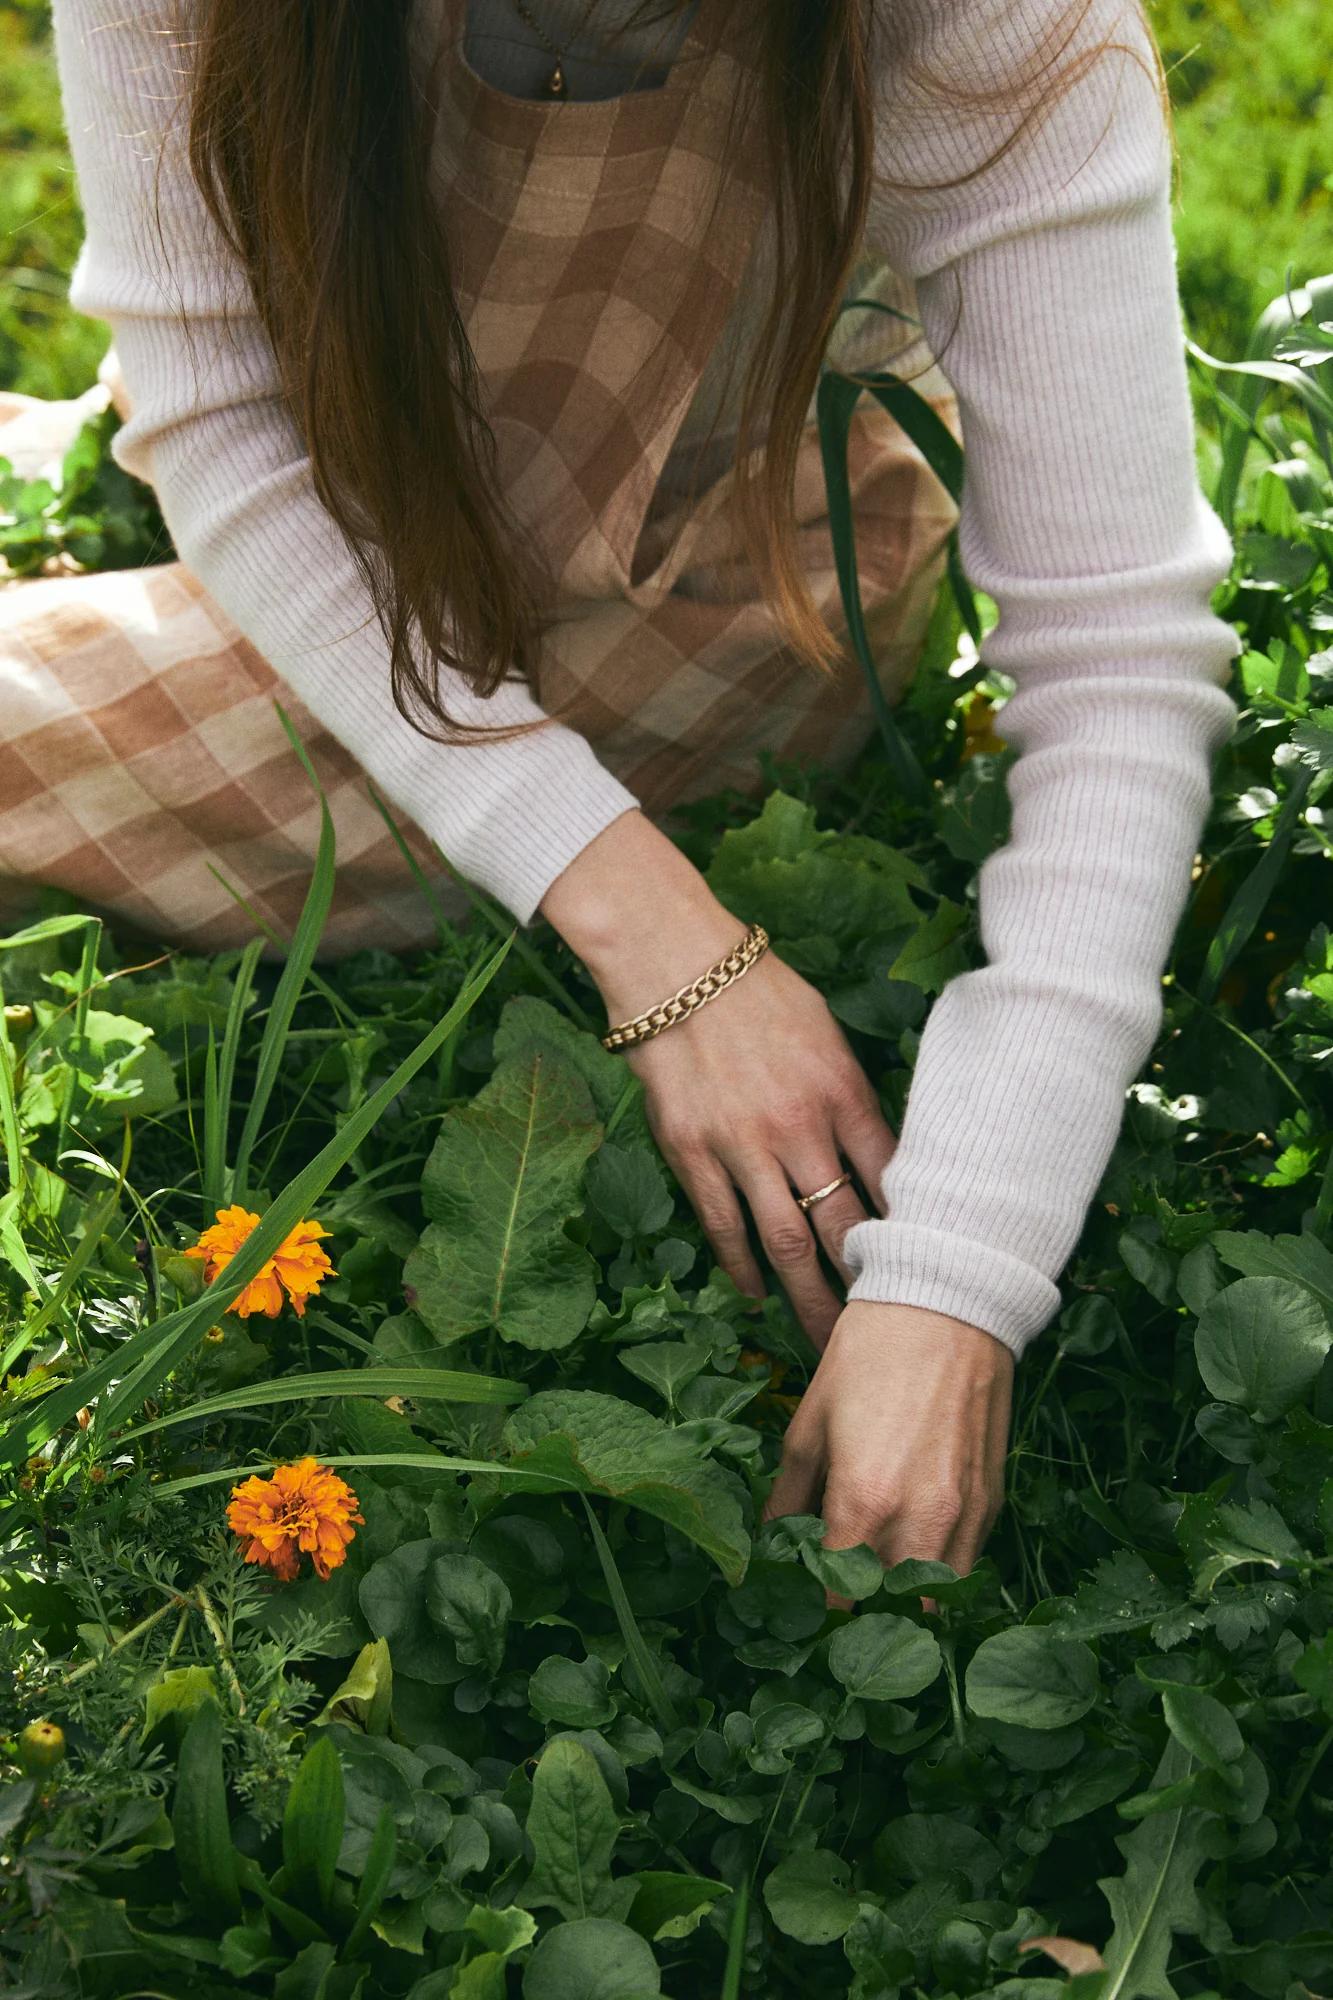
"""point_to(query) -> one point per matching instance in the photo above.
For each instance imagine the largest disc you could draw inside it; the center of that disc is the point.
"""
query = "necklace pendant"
(556, 85)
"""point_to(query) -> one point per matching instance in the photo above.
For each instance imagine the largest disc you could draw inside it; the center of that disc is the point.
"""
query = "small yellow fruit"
(41, 1748)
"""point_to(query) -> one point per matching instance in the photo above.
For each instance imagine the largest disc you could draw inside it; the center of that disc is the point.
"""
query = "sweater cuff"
(555, 798)
(907, 1263)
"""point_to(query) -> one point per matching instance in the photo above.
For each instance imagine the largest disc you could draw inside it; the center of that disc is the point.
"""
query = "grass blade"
(836, 398)
(443, 1385)
(300, 958)
(400, 1461)
(635, 1644)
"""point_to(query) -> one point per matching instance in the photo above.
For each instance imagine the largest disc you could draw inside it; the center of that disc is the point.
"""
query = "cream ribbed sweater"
(1082, 518)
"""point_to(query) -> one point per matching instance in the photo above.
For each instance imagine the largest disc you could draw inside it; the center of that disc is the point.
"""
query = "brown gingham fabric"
(141, 756)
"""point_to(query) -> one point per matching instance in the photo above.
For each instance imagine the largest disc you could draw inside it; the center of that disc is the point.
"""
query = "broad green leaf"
(1155, 1899)
(1206, 1727)
(671, 1906)
(472, 1604)
(504, 1176)
(666, 1365)
(204, 1852)
(572, 1824)
(392, 1596)
(574, 1692)
(628, 1189)
(802, 883)
(312, 1829)
(593, 1959)
(1030, 1675)
(1304, 1258)
(808, 1898)
(919, 1846)
(174, 1697)
(529, 1027)
(1260, 1343)
(882, 1657)
(597, 1444)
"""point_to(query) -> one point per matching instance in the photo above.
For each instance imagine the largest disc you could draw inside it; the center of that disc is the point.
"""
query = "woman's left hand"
(904, 1431)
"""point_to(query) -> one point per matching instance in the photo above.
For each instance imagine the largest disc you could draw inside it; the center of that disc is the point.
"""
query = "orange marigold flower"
(298, 1266)
(301, 1508)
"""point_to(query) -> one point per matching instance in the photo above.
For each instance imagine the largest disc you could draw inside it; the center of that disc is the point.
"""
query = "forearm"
(638, 914)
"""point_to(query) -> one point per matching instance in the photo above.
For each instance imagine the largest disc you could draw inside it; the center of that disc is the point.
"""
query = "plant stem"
(125, 1639)
(211, 1620)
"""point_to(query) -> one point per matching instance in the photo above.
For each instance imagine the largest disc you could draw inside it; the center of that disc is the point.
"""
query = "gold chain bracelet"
(697, 994)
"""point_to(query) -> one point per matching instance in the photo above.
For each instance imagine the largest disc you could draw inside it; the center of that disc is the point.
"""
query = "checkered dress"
(605, 299)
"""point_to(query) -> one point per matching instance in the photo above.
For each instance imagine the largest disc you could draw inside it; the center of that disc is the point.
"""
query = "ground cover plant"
(386, 1604)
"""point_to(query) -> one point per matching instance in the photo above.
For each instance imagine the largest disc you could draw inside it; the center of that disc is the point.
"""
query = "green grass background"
(1254, 121)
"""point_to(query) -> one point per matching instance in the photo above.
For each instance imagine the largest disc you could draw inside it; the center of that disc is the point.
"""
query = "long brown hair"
(307, 140)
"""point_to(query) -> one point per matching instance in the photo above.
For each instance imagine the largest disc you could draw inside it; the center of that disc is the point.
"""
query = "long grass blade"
(396, 1461)
(836, 398)
(217, 1189)
(441, 1385)
(300, 958)
(645, 1666)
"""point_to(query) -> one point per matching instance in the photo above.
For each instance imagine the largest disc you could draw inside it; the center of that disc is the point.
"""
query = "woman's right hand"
(756, 1095)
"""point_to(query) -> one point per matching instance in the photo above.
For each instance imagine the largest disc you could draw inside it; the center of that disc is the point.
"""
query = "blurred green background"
(1254, 121)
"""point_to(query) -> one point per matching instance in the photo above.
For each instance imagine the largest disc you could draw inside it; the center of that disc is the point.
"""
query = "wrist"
(638, 914)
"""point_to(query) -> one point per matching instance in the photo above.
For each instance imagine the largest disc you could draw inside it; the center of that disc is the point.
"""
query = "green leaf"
(879, 1656)
(801, 882)
(808, 1898)
(597, 1444)
(628, 1189)
(392, 1596)
(472, 1604)
(934, 952)
(1260, 1343)
(503, 1177)
(1207, 1729)
(1155, 1898)
(174, 1698)
(312, 1829)
(205, 1856)
(1030, 1675)
(365, 1695)
(575, 1692)
(376, 1874)
(1304, 1258)
(671, 1906)
(592, 1959)
(572, 1825)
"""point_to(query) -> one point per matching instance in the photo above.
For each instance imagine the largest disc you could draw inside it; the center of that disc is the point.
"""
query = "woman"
(424, 321)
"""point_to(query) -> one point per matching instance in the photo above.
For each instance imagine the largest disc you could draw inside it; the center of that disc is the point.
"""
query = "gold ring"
(807, 1201)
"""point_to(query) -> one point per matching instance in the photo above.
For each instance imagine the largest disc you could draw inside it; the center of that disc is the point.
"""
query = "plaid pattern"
(140, 751)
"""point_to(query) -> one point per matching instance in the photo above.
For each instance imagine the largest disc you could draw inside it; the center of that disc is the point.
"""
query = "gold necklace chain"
(557, 84)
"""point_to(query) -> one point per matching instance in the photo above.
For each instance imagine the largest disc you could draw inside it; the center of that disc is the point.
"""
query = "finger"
(862, 1133)
(795, 1490)
(789, 1244)
(713, 1199)
(838, 1212)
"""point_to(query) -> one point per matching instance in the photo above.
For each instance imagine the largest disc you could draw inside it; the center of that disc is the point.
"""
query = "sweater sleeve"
(1046, 285)
(208, 429)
